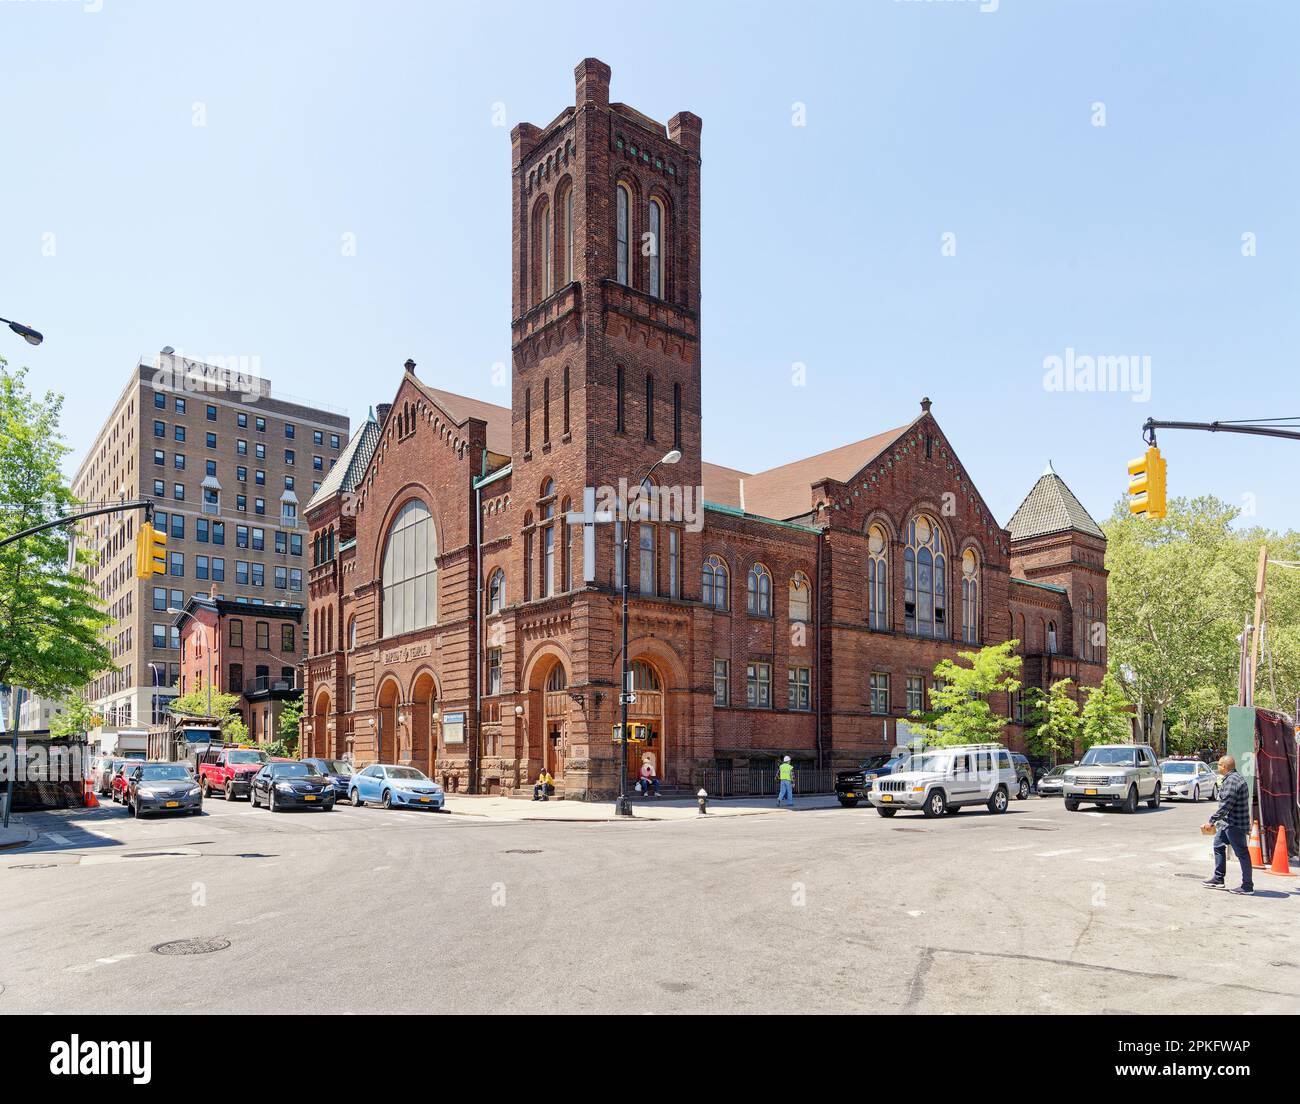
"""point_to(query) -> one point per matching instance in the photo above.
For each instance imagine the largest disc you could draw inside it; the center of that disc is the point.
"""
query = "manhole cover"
(1036, 828)
(524, 851)
(191, 946)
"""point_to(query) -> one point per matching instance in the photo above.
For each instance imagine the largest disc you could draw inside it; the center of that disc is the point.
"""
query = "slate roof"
(351, 464)
(1050, 507)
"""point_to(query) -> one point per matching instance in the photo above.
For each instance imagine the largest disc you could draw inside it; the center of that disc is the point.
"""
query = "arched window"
(800, 597)
(410, 572)
(352, 634)
(877, 578)
(1051, 638)
(546, 519)
(760, 591)
(643, 676)
(1086, 649)
(623, 203)
(542, 247)
(713, 585)
(557, 679)
(925, 599)
(970, 596)
(496, 591)
(566, 233)
(655, 244)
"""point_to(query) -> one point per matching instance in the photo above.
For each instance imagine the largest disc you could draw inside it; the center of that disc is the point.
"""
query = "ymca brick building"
(462, 621)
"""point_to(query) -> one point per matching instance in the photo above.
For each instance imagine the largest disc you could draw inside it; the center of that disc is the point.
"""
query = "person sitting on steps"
(545, 786)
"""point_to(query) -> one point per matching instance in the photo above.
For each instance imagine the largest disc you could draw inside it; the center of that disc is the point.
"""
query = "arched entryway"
(424, 736)
(648, 710)
(386, 722)
(555, 720)
(321, 744)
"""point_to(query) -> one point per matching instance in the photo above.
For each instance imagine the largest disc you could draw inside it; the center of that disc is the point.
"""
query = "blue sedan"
(395, 787)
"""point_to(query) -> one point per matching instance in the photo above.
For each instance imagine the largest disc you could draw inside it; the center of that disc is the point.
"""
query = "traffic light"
(1146, 484)
(150, 551)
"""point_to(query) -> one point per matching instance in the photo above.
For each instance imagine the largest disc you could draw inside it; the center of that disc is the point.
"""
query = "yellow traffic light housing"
(637, 733)
(1146, 484)
(150, 552)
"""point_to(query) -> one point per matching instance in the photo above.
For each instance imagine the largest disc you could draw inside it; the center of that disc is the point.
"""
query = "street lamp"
(623, 806)
(32, 337)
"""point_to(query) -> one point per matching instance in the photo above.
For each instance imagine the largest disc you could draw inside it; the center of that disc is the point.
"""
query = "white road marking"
(1112, 858)
(98, 963)
(1062, 851)
(62, 841)
(1021, 847)
(259, 919)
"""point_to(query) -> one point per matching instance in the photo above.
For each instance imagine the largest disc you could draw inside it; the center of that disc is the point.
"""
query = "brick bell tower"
(606, 332)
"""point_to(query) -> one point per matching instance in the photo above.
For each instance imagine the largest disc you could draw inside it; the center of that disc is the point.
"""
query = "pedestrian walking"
(1230, 823)
(785, 775)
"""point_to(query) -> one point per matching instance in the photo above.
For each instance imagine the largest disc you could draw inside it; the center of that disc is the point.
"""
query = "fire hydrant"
(703, 798)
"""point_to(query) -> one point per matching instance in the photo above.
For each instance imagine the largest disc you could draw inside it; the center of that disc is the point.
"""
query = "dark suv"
(1024, 775)
(852, 786)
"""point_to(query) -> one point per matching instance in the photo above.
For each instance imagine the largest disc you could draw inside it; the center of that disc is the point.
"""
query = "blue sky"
(822, 243)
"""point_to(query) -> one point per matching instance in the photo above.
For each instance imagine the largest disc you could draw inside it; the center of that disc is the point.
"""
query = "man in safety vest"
(785, 775)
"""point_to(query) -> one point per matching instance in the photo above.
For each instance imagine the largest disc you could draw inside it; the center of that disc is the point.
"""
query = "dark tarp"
(1275, 771)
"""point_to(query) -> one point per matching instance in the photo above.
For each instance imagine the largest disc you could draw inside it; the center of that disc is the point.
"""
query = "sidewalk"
(514, 808)
(18, 834)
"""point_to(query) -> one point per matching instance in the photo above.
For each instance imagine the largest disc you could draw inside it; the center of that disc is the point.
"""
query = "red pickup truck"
(229, 770)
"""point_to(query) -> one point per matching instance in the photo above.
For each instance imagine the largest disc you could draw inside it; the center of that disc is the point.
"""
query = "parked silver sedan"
(1052, 784)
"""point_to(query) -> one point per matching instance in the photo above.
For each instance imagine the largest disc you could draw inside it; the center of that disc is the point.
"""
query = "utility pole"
(1257, 634)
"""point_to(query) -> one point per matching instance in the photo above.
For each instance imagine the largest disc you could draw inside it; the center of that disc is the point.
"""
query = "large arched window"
(643, 676)
(496, 591)
(543, 244)
(759, 600)
(410, 575)
(655, 245)
(925, 599)
(713, 585)
(970, 596)
(623, 205)
(800, 597)
(877, 578)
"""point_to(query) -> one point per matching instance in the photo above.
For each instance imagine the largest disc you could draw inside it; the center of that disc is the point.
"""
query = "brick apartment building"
(227, 463)
(459, 624)
(251, 651)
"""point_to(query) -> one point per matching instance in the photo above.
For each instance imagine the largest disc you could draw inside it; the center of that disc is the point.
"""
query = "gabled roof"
(785, 492)
(1051, 508)
(351, 463)
(461, 407)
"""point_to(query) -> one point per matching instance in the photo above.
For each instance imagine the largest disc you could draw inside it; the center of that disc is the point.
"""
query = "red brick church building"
(465, 608)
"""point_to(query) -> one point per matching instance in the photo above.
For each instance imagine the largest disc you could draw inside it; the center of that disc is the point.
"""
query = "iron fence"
(759, 780)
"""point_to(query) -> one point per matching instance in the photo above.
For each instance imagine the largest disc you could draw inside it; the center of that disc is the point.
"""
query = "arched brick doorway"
(321, 742)
(648, 710)
(386, 722)
(424, 737)
(546, 715)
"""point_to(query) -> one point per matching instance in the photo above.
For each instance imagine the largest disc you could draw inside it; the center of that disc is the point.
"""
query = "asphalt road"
(362, 910)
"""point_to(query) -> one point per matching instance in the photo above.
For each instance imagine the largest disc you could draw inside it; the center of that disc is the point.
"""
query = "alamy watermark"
(213, 375)
(1120, 374)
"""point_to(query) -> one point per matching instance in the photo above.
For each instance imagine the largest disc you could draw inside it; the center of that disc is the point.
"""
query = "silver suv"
(1114, 774)
(944, 779)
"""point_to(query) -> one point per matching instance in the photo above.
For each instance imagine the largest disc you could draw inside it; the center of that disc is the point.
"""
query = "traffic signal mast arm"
(140, 504)
(1150, 426)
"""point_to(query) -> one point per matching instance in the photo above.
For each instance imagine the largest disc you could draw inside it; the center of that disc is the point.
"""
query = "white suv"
(944, 779)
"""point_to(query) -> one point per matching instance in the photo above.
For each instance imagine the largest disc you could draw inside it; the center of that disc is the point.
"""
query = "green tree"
(959, 708)
(1107, 714)
(1054, 724)
(78, 717)
(50, 617)
(288, 726)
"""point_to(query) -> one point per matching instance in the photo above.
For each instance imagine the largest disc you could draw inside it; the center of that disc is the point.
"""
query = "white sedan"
(1188, 778)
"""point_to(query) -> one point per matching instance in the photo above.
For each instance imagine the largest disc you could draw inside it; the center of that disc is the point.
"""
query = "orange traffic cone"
(90, 800)
(1280, 864)
(1256, 851)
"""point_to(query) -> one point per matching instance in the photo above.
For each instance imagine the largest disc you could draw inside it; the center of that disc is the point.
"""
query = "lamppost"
(623, 806)
(32, 337)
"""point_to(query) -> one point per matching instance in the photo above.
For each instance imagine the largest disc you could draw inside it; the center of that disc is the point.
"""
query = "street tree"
(1053, 729)
(1107, 714)
(78, 718)
(51, 620)
(960, 712)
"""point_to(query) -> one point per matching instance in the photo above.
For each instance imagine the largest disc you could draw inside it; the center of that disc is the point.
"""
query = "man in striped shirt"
(1231, 821)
